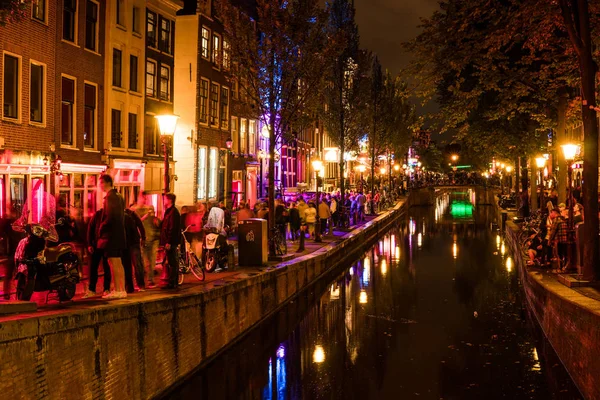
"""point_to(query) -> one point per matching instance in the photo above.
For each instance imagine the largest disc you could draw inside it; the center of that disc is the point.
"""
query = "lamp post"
(570, 151)
(262, 155)
(361, 168)
(509, 169)
(317, 166)
(540, 162)
(167, 124)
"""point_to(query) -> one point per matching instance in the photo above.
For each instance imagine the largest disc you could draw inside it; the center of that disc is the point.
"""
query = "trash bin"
(253, 247)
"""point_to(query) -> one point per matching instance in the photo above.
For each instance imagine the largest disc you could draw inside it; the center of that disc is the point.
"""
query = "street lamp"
(454, 157)
(540, 162)
(167, 124)
(397, 167)
(262, 155)
(570, 151)
(317, 166)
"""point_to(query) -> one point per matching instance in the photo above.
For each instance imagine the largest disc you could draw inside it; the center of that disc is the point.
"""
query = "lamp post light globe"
(570, 151)
(167, 123)
(396, 167)
(317, 165)
(540, 162)
(361, 168)
(382, 170)
(509, 168)
(454, 157)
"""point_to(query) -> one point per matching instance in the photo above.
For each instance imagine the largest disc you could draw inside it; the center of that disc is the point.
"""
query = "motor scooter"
(215, 250)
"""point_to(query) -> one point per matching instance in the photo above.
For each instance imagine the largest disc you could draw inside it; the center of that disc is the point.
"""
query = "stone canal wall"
(138, 350)
(570, 321)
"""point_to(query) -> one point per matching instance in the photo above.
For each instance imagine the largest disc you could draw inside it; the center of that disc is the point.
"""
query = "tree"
(12, 10)
(576, 17)
(344, 83)
(278, 56)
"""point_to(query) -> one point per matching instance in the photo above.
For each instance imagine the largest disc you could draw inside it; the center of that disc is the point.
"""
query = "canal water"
(433, 310)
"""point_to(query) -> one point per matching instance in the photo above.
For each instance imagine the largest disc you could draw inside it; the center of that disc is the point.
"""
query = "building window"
(224, 108)
(216, 49)
(117, 64)
(12, 82)
(252, 137)
(226, 55)
(165, 35)
(132, 138)
(214, 104)
(201, 179)
(235, 87)
(133, 73)
(89, 115)
(91, 25)
(205, 43)
(37, 84)
(165, 83)
(150, 137)
(213, 162)
(115, 127)
(69, 19)
(151, 28)
(135, 22)
(150, 78)
(203, 103)
(243, 128)
(234, 135)
(38, 10)
(67, 111)
(120, 12)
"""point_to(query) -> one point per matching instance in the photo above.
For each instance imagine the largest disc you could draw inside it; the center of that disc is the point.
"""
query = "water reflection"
(400, 322)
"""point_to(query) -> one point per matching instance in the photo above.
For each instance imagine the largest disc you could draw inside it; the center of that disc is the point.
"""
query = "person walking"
(150, 247)
(111, 235)
(335, 215)
(324, 215)
(295, 221)
(244, 212)
(96, 256)
(135, 235)
(310, 216)
(170, 233)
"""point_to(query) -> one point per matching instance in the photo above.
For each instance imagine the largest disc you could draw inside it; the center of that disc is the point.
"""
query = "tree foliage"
(12, 10)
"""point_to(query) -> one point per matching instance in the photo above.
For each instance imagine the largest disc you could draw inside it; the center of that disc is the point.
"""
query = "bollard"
(302, 238)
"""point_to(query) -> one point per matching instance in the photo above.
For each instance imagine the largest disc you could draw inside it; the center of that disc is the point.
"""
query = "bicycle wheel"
(196, 267)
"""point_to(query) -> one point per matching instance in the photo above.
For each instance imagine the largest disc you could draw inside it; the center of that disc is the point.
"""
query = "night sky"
(384, 24)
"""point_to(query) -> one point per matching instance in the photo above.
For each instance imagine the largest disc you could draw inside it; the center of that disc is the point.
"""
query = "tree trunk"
(342, 204)
(591, 259)
(561, 133)
(534, 187)
(271, 190)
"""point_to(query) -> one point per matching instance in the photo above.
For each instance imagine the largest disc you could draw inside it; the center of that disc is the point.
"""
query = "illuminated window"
(234, 134)
(151, 29)
(243, 135)
(38, 10)
(165, 83)
(201, 180)
(226, 55)
(216, 49)
(252, 137)
(213, 162)
(150, 78)
(165, 35)
(205, 43)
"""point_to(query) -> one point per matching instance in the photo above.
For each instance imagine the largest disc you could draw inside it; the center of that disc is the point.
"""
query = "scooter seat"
(52, 254)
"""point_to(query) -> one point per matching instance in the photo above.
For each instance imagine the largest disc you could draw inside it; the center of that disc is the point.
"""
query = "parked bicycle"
(188, 262)
(277, 242)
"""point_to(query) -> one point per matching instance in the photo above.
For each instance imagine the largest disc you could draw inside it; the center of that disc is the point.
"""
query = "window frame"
(252, 132)
(75, 23)
(216, 104)
(206, 99)
(154, 79)
(120, 13)
(120, 52)
(96, 24)
(112, 111)
(136, 146)
(73, 112)
(45, 11)
(168, 97)
(226, 57)
(207, 41)
(133, 71)
(43, 99)
(224, 108)
(243, 135)
(95, 114)
(154, 43)
(202, 174)
(135, 19)
(19, 85)
(235, 133)
(215, 54)
(212, 182)
(169, 49)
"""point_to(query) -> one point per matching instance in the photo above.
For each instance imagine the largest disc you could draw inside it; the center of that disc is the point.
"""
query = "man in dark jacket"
(132, 255)
(170, 233)
(96, 256)
(111, 235)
